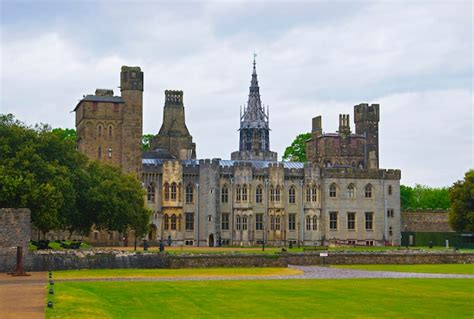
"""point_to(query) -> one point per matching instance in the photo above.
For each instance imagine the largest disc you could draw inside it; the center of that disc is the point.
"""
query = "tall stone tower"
(109, 128)
(174, 135)
(131, 88)
(366, 119)
(254, 127)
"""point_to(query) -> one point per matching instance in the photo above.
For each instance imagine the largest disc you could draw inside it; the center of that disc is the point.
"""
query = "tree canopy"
(424, 197)
(296, 152)
(461, 214)
(40, 169)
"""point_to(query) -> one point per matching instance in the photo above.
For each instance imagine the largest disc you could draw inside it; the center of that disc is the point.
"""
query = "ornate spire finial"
(254, 57)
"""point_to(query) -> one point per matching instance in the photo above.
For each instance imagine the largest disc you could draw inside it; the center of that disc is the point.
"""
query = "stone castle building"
(340, 196)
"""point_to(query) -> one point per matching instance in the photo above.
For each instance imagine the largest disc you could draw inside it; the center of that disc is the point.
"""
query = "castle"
(340, 196)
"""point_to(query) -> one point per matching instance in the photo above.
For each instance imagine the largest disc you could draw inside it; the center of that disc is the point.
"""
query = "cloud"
(313, 58)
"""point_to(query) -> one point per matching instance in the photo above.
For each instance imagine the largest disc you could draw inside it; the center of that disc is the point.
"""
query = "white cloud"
(412, 58)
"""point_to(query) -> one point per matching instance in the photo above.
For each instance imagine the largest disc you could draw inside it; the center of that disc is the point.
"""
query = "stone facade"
(15, 231)
(340, 196)
(109, 128)
(426, 221)
(15, 227)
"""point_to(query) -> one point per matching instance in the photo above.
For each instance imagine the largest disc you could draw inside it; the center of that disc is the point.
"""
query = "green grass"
(354, 298)
(56, 246)
(467, 269)
(173, 273)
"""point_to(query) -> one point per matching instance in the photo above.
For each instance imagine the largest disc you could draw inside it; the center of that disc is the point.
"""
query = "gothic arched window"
(333, 190)
(151, 193)
(166, 188)
(292, 195)
(259, 194)
(368, 191)
(350, 191)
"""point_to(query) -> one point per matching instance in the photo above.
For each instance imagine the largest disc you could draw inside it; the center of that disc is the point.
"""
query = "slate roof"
(227, 163)
(99, 98)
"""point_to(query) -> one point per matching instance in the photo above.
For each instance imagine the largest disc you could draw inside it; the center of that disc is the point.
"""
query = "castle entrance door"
(211, 240)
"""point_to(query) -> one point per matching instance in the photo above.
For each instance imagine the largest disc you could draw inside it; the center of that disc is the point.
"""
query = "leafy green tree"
(296, 152)
(146, 141)
(40, 169)
(66, 134)
(424, 197)
(461, 215)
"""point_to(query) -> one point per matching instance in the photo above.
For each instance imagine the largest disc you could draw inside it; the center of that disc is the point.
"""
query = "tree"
(40, 169)
(461, 215)
(296, 152)
(146, 141)
(424, 197)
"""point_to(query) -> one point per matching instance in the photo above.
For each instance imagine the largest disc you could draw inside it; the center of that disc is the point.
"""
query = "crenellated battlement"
(173, 97)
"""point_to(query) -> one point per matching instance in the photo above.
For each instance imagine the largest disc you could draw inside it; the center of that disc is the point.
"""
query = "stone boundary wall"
(56, 260)
(426, 221)
(15, 230)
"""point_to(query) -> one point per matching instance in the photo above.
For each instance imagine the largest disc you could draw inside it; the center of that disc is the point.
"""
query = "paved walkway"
(310, 272)
(23, 297)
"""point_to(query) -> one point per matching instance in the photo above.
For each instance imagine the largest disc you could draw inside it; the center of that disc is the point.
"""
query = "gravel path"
(310, 272)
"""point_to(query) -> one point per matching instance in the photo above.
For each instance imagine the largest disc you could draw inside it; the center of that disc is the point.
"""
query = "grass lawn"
(173, 273)
(354, 298)
(467, 269)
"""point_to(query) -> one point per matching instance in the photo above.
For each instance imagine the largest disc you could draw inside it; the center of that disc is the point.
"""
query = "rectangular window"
(390, 212)
(237, 222)
(277, 223)
(259, 221)
(189, 221)
(244, 222)
(291, 221)
(277, 195)
(351, 221)
(292, 195)
(238, 196)
(333, 221)
(225, 221)
(224, 195)
(258, 195)
(308, 222)
(189, 194)
(244, 194)
(369, 221)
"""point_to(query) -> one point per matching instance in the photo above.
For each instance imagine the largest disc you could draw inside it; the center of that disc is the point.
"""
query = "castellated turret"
(366, 119)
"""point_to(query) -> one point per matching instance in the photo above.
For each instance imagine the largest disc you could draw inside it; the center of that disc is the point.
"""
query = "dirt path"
(309, 272)
(23, 297)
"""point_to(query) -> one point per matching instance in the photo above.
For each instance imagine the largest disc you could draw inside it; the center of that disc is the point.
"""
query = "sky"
(414, 58)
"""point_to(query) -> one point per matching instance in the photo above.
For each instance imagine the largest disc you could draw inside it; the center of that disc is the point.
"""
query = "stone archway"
(211, 240)
(152, 232)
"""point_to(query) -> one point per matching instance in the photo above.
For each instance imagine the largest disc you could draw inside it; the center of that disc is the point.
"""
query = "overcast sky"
(314, 58)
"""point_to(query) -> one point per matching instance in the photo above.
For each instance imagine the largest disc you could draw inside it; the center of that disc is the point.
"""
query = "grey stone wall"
(426, 221)
(62, 260)
(15, 230)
